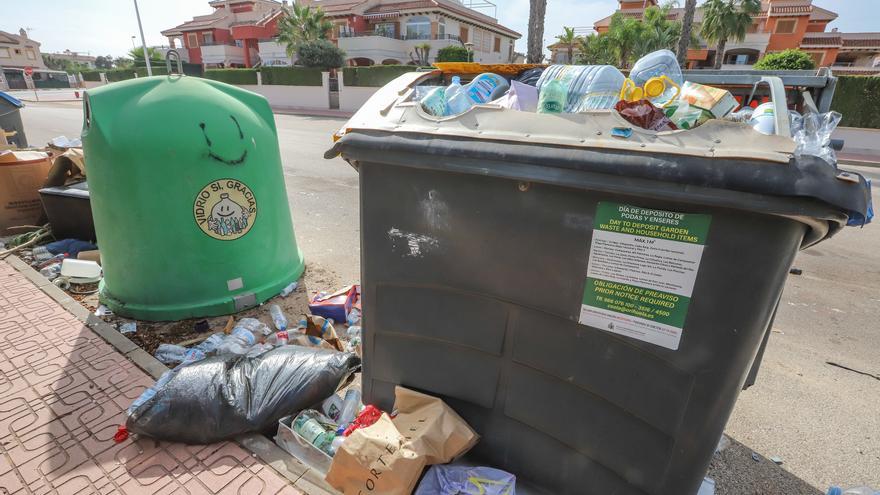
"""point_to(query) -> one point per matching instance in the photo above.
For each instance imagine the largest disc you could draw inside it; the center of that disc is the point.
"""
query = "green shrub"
(119, 75)
(91, 75)
(375, 75)
(320, 54)
(455, 53)
(857, 98)
(291, 76)
(157, 71)
(786, 60)
(232, 76)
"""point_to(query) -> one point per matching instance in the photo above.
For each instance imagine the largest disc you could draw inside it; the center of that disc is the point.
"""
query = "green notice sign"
(641, 273)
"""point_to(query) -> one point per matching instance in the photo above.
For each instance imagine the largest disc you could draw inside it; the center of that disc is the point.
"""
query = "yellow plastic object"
(653, 88)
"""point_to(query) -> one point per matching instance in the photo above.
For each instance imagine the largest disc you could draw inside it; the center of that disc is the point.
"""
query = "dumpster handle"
(176, 57)
(780, 104)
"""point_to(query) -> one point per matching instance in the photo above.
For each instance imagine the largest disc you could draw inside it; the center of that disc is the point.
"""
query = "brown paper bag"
(376, 460)
(431, 427)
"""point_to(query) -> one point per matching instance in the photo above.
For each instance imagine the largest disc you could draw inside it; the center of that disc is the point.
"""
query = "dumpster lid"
(11, 99)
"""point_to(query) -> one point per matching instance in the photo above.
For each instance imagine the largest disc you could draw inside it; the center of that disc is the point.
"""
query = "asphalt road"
(821, 420)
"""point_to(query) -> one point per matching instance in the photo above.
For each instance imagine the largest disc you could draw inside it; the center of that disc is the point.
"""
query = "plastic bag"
(445, 479)
(813, 135)
(521, 96)
(644, 114)
(220, 397)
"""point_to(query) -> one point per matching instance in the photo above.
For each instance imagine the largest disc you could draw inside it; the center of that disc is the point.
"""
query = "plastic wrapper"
(644, 114)
(220, 397)
(812, 135)
(530, 76)
(443, 480)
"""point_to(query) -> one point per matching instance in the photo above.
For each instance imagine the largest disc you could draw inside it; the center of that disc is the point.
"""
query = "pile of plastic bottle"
(327, 429)
(655, 81)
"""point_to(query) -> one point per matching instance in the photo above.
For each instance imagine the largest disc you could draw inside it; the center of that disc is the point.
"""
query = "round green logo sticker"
(225, 209)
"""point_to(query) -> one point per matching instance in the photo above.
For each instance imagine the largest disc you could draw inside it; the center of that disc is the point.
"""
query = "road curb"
(298, 474)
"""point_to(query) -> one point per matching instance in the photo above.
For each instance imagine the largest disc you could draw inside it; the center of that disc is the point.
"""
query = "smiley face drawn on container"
(225, 209)
(214, 154)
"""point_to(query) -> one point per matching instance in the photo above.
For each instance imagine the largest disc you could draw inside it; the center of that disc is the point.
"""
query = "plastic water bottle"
(482, 89)
(435, 102)
(290, 288)
(454, 104)
(590, 87)
(52, 271)
(239, 342)
(152, 391)
(354, 317)
(278, 317)
(171, 353)
(308, 425)
(861, 490)
(255, 326)
(335, 444)
(278, 338)
(350, 407)
(211, 344)
(552, 98)
(659, 74)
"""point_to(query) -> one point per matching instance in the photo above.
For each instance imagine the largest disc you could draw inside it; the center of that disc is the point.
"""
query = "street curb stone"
(298, 474)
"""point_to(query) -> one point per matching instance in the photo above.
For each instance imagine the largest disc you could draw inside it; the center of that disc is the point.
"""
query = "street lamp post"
(143, 40)
(132, 43)
(470, 51)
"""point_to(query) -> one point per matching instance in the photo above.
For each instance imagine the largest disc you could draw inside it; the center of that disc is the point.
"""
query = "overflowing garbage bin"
(590, 301)
(188, 197)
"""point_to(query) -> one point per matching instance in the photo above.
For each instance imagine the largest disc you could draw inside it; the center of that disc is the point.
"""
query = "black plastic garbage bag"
(220, 397)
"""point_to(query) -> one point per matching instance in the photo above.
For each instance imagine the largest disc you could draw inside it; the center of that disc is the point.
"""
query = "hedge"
(119, 75)
(91, 75)
(857, 98)
(232, 76)
(291, 76)
(374, 75)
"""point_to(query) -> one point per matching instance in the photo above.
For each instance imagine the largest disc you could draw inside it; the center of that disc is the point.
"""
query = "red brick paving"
(64, 390)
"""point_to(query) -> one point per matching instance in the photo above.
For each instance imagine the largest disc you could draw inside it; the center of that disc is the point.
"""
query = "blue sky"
(106, 26)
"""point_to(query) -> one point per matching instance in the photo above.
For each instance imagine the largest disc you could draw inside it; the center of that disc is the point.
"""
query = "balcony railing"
(405, 37)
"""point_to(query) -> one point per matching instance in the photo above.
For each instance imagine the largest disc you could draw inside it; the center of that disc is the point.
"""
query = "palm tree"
(725, 20)
(568, 38)
(302, 24)
(687, 23)
(537, 11)
(624, 35)
(595, 49)
(658, 33)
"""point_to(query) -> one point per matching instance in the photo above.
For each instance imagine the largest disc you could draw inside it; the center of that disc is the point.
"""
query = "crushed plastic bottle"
(590, 87)
(814, 136)
(52, 271)
(171, 354)
(240, 341)
(659, 75)
(278, 317)
(289, 289)
(860, 490)
(211, 344)
(354, 317)
(552, 98)
(482, 89)
(151, 392)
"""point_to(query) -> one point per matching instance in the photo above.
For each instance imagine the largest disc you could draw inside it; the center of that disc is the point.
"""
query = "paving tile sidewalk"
(64, 390)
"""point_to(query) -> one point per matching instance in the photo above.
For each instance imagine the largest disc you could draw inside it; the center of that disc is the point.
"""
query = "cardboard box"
(22, 173)
(719, 102)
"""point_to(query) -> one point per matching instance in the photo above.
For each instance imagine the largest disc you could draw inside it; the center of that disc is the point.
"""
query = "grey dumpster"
(10, 119)
(591, 305)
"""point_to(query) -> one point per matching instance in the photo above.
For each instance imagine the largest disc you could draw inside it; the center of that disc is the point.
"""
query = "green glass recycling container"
(188, 198)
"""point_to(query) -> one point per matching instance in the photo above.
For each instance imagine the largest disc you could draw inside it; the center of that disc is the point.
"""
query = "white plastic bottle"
(454, 104)
(350, 407)
(278, 338)
(278, 317)
(652, 68)
(482, 89)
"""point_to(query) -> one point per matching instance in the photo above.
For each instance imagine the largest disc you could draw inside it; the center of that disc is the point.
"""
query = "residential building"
(241, 33)
(230, 35)
(387, 31)
(17, 51)
(17, 54)
(781, 24)
(79, 58)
